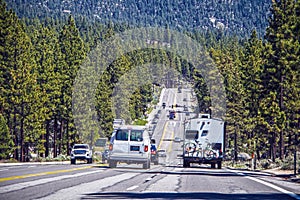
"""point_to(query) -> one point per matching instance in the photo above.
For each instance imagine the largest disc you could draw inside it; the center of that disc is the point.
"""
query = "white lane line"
(132, 188)
(23, 185)
(148, 179)
(79, 191)
(291, 194)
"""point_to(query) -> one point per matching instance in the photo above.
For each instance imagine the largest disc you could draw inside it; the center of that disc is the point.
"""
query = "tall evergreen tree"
(19, 94)
(48, 59)
(72, 48)
(251, 69)
(281, 73)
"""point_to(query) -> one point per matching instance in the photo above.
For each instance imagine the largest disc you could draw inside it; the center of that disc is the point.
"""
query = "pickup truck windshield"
(80, 147)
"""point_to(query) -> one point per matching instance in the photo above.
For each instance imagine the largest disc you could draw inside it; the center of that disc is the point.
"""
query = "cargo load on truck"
(204, 141)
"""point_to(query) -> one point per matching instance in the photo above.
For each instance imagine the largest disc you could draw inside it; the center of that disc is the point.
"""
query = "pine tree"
(20, 94)
(72, 48)
(281, 71)
(47, 57)
(251, 69)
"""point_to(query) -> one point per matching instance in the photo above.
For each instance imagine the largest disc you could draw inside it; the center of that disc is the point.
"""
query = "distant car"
(164, 105)
(153, 150)
(105, 155)
(185, 108)
(81, 152)
(177, 139)
(162, 153)
(172, 114)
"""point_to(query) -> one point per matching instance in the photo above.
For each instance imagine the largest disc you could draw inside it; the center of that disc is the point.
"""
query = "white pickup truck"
(204, 141)
(81, 152)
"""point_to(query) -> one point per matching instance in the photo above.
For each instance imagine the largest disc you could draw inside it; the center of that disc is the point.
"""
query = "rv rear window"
(191, 134)
(136, 135)
(122, 135)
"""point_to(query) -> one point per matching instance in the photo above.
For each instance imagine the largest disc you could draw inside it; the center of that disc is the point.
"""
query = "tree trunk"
(47, 139)
(55, 138)
(16, 136)
(235, 145)
(22, 140)
(281, 145)
(69, 148)
(61, 136)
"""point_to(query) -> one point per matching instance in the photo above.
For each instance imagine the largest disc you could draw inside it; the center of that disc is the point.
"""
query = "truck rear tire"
(213, 165)
(73, 161)
(146, 165)
(112, 164)
(219, 164)
(186, 163)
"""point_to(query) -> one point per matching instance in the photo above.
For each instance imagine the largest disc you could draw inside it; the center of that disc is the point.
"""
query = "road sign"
(101, 142)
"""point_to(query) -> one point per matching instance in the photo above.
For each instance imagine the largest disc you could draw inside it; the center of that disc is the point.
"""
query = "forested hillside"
(43, 46)
(231, 16)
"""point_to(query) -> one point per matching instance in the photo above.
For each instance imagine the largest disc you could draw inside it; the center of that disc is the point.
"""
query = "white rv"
(204, 141)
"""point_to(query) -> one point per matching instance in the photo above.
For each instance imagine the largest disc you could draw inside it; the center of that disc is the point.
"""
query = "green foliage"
(140, 122)
(6, 144)
(233, 17)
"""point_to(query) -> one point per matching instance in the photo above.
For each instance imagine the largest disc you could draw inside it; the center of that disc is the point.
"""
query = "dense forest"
(43, 47)
(231, 16)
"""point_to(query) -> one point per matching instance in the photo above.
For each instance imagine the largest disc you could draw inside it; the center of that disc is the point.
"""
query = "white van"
(130, 144)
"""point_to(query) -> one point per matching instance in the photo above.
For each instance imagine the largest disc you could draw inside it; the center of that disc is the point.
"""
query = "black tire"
(146, 165)
(73, 161)
(213, 165)
(112, 164)
(186, 163)
(220, 165)
(90, 160)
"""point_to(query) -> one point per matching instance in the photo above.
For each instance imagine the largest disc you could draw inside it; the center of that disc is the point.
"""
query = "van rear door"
(121, 141)
(136, 143)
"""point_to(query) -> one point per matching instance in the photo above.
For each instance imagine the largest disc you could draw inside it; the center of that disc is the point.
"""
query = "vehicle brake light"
(146, 148)
(110, 147)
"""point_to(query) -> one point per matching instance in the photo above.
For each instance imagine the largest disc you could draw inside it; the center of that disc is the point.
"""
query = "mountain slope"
(233, 16)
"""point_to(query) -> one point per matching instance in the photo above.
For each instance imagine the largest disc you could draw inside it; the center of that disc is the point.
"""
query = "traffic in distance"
(179, 158)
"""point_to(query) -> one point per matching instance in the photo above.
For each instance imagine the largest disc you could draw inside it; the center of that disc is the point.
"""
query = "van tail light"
(110, 147)
(146, 148)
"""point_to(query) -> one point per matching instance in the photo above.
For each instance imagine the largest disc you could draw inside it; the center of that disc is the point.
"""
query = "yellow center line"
(163, 135)
(42, 174)
(170, 145)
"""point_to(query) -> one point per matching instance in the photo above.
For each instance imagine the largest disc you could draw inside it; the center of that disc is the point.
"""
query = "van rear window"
(136, 135)
(122, 135)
